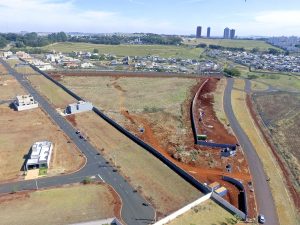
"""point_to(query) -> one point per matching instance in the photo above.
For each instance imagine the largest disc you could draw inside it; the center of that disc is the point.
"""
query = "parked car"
(261, 218)
(77, 131)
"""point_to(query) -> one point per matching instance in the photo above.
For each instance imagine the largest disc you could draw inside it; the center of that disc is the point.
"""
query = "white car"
(261, 218)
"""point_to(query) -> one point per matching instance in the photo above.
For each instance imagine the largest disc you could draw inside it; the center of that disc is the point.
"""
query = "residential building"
(208, 32)
(79, 107)
(232, 33)
(40, 155)
(24, 102)
(226, 33)
(199, 32)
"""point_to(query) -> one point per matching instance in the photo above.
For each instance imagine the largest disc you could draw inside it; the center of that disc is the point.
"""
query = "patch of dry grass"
(63, 205)
(57, 96)
(284, 205)
(218, 102)
(207, 213)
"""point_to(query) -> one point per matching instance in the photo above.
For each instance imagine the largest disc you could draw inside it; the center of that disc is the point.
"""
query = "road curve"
(133, 211)
(264, 199)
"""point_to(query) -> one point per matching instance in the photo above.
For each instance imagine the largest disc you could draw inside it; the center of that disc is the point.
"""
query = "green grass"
(129, 50)
(43, 171)
(247, 44)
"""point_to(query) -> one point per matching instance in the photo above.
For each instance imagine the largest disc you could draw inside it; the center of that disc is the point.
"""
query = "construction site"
(167, 126)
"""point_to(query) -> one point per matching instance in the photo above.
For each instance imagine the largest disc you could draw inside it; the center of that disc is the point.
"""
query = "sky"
(250, 17)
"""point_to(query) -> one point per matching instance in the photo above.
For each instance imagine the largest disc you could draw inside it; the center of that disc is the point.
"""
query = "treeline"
(117, 40)
(254, 50)
(32, 39)
(161, 40)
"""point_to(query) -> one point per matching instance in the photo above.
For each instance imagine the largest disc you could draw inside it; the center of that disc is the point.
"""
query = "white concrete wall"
(26, 107)
(183, 210)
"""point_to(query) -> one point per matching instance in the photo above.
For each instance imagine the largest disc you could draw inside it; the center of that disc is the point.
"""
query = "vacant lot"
(207, 213)
(129, 50)
(159, 103)
(63, 205)
(283, 202)
(25, 128)
(58, 97)
(247, 44)
(164, 188)
(280, 112)
(10, 88)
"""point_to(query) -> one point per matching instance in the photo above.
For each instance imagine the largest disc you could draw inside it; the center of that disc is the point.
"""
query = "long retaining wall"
(186, 176)
(195, 125)
(183, 210)
(242, 196)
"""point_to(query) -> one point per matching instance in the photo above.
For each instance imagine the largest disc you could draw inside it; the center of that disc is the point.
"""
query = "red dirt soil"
(207, 175)
(209, 124)
(257, 119)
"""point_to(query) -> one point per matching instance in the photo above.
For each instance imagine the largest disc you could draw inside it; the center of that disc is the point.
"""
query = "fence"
(242, 195)
(195, 125)
(183, 210)
(189, 178)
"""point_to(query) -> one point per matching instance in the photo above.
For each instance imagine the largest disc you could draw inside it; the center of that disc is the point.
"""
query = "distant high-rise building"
(232, 33)
(198, 32)
(208, 32)
(226, 33)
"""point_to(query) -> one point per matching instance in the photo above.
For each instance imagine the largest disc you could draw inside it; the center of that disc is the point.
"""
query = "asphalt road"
(262, 190)
(133, 211)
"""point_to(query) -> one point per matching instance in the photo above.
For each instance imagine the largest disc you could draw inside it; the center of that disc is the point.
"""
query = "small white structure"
(78, 107)
(24, 102)
(40, 155)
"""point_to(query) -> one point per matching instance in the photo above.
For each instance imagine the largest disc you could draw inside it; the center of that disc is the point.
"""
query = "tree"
(232, 72)
(96, 50)
(201, 45)
(273, 51)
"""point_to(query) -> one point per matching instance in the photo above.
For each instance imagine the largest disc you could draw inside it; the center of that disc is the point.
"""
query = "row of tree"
(34, 40)
(31, 39)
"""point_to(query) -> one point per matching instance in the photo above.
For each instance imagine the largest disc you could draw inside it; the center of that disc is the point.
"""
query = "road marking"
(101, 178)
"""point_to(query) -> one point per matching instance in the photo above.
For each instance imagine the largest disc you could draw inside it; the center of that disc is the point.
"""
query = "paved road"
(263, 194)
(133, 211)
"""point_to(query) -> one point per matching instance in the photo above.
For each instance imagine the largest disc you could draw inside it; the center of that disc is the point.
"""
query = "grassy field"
(258, 86)
(218, 102)
(277, 80)
(65, 205)
(207, 213)
(284, 205)
(54, 94)
(164, 188)
(247, 44)
(158, 102)
(129, 50)
(281, 114)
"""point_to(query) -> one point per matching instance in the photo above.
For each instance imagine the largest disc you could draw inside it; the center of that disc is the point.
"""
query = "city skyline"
(251, 18)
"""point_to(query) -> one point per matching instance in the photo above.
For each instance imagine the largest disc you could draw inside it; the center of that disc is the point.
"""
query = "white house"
(24, 102)
(40, 155)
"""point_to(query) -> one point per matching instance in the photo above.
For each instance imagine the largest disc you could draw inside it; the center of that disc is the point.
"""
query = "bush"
(232, 72)
(87, 180)
(252, 76)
